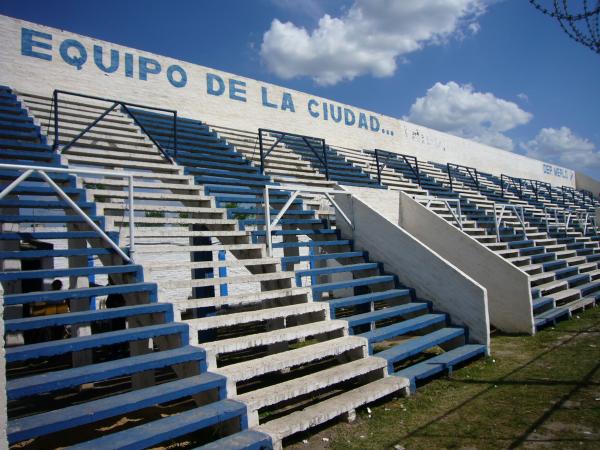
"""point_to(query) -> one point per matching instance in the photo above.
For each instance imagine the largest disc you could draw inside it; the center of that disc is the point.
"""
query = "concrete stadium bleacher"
(280, 354)
(562, 260)
(219, 343)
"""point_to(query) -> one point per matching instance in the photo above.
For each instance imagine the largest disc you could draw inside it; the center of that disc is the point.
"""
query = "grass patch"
(534, 392)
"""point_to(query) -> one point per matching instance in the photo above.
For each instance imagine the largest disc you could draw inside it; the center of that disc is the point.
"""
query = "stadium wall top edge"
(38, 59)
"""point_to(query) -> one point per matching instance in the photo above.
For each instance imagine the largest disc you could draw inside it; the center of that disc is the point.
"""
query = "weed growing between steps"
(535, 392)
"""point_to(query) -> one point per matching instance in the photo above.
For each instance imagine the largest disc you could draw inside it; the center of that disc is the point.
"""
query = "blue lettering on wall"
(265, 98)
(374, 121)
(27, 44)
(287, 103)
(79, 57)
(349, 117)
(362, 121)
(37, 44)
(237, 90)
(313, 103)
(129, 65)
(173, 69)
(114, 60)
(213, 89)
(147, 66)
(333, 110)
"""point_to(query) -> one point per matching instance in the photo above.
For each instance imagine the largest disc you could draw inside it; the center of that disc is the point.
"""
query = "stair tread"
(157, 431)
(274, 394)
(249, 369)
(96, 410)
(333, 407)
(62, 379)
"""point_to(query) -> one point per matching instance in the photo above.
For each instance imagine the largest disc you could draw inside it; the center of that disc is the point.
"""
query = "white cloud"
(367, 39)
(459, 110)
(561, 146)
(522, 96)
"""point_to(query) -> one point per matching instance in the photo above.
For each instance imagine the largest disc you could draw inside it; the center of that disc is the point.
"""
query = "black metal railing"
(564, 190)
(590, 194)
(281, 135)
(381, 156)
(536, 187)
(507, 180)
(470, 171)
(115, 103)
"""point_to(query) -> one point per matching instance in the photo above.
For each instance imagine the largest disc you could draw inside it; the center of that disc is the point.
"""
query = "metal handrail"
(471, 171)
(457, 216)
(281, 136)
(42, 171)
(514, 182)
(269, 225)
(389, 155)
(115, 103)
(499, 215)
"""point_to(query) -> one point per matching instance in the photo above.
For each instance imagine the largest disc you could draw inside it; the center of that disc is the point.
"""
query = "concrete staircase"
(281, 354)
(398, 326)
(562, 264)
(93, 360)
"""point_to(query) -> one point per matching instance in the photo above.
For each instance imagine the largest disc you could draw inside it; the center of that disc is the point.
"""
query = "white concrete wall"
(3, 416)
(416, 265)
(33, 63)
(588, 183)
(509, 294)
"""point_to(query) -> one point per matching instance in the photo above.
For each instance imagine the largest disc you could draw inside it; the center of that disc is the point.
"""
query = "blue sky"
(495, 71)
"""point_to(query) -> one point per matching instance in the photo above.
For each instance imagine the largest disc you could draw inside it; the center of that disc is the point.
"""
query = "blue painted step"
(51, 253)
(551, 316)
(153, 433)
(69, 294)
(440, 363)
(25, 235)
(116, 405)
(416, 345)
(244, 440)
(80, 317)
(331, 270)
(341, 255)
(49, 219)
(74, 344)
(542, 302)
(313, 244)
(589, 288)
(325, 287)
(356, 300)
(404, 327)
(73, 272)
(69, 378)
(384, 314)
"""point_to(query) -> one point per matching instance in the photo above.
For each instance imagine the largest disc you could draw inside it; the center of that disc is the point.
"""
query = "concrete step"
(125, 164)
(248, 370)
(281, 392)
(285, 295)
(441, 363)
(328, 409)
(333, 328)
(266, 314)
